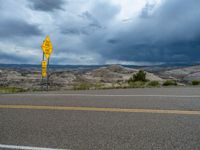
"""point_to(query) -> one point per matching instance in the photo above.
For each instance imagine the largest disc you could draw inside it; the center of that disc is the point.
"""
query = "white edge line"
(26, 147)
(105, 95)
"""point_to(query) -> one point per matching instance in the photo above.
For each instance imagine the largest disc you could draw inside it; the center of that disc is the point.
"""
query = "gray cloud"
(17, 28)
(95, 30)
(85, 24)
(146, 11)
(93, 22)
(9, 58)
(46, 5)
(170, 33)
(104, 10)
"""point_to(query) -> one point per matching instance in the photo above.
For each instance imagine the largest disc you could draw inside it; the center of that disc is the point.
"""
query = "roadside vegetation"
(153, 84)
(138, 80)
(196, 82)
(140, 76)
(137, 84)
(170, 83)
(8, 90)
(82, 86)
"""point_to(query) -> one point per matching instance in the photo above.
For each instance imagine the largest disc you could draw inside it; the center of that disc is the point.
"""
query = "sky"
(97, 32)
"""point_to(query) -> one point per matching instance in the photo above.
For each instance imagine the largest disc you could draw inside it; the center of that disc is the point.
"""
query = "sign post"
(47, 49)
(44, 68)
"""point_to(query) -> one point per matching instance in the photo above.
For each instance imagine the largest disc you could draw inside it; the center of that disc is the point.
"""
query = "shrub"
(140, 76)
(98, 85)
(170, 82)
(11, 90)
(195, 82)
(137, 84)
(153, 83)
(82, 86)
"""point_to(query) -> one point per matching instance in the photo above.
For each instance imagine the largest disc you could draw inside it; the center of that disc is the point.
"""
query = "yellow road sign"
(44, 68)
(44, 73)
(47, 47)
(44, 63)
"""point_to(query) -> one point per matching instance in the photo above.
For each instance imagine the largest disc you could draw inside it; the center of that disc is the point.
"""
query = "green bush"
(195, 82)
(82, 86)
(137, 84)
(153, 83)
(11, 90)
(169, 83)
(98, 85)
(140, 76)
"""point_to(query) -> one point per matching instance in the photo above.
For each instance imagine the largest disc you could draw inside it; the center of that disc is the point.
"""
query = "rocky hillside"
(114, 75)
(186, 74)
(20, 78)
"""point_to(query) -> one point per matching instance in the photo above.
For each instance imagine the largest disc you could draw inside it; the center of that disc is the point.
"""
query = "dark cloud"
(93, 22)
(165, 32)
(71, 31)
(177, 52)
(112, 41)
(76, 31)
(12, 58)
(46, 5)
(86, 24)
(18, 28)
(170, 33)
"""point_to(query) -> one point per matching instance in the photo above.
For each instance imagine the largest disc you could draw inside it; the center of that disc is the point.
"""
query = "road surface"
(141, 119)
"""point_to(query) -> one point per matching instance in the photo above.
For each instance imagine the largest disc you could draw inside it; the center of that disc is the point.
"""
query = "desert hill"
(112, 76)
(109, 76)
(185, 74)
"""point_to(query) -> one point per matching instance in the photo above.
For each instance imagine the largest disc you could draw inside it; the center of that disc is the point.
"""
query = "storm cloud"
(46, 5)
(13, 28)
(103, 31)
(165, 33)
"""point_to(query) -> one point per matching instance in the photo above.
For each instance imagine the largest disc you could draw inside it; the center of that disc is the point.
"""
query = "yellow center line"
(156, 111)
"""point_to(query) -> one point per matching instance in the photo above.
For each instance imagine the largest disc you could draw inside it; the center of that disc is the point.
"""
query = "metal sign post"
(47, 50)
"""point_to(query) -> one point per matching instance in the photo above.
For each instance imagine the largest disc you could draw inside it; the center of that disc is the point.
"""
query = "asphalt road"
(138, 119)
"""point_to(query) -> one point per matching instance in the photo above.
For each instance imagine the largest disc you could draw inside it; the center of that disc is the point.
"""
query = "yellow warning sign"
(44, 63)
(47, 47)
(44, 73)
(44, 68)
